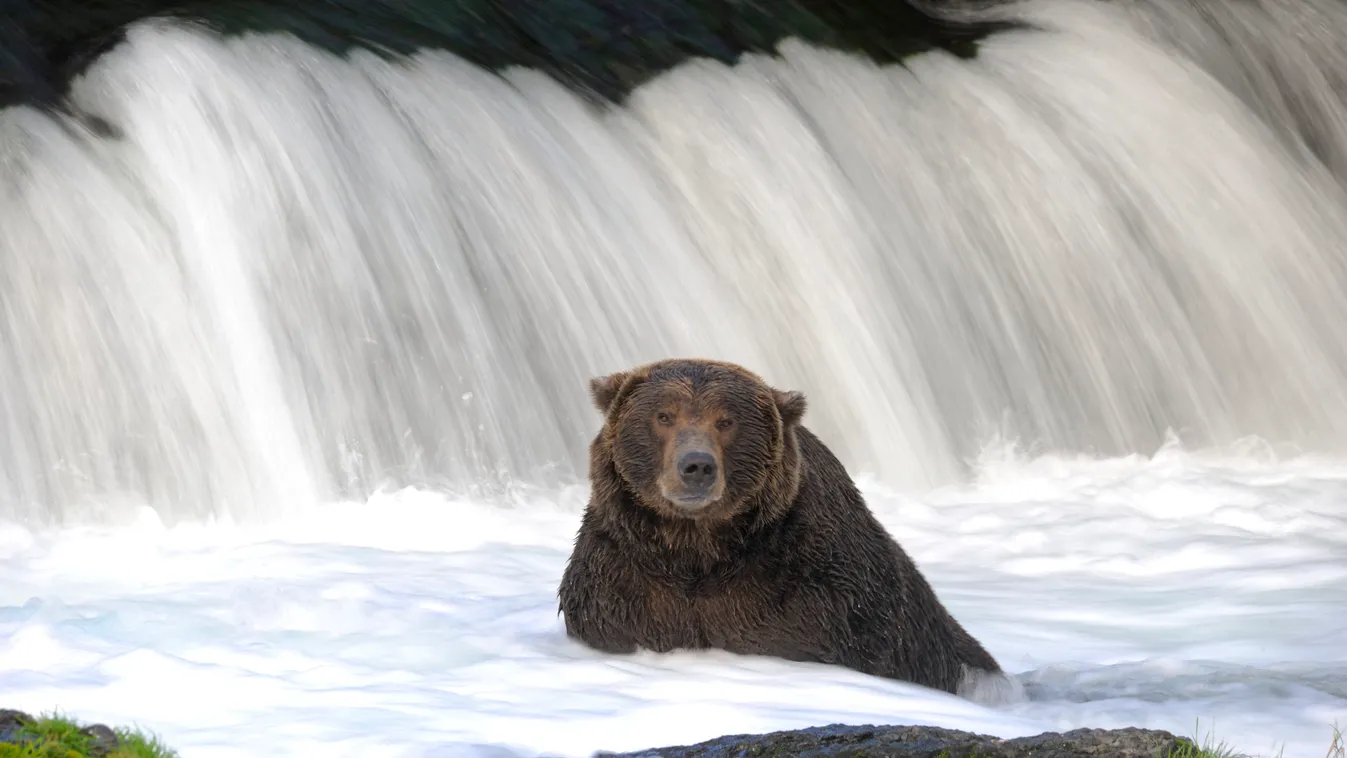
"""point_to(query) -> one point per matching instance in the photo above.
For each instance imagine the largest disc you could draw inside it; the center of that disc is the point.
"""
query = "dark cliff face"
(601, 47)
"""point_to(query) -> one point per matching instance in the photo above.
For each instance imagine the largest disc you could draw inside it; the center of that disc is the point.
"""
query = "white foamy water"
(1180, 592)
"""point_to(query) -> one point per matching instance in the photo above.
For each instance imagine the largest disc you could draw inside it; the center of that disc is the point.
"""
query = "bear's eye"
(664, 418)
(724, 423)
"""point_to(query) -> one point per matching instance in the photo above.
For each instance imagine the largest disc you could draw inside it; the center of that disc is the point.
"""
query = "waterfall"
(292, 275)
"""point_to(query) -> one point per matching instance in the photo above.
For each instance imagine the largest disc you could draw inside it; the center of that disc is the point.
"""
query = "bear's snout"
(694, 480)
(697, 470)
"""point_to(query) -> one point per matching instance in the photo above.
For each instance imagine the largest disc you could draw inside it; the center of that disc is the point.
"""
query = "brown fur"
(782, 558)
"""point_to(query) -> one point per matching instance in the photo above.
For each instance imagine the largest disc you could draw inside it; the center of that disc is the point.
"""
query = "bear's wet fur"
(716, 520)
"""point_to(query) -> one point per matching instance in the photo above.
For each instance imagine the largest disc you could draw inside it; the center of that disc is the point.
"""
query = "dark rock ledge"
(838, 741)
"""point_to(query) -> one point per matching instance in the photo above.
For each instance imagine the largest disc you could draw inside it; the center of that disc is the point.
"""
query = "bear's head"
(698, 439)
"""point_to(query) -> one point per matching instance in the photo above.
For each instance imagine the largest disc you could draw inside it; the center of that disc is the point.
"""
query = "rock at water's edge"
(839, 741)
(11, 722)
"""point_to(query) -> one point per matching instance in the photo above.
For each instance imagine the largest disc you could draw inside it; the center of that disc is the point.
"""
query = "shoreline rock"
(841, 741)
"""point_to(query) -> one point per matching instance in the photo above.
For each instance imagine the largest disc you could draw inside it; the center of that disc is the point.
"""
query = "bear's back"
(840, 575)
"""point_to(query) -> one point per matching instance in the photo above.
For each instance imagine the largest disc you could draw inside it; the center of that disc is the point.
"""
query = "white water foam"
(1203, 595)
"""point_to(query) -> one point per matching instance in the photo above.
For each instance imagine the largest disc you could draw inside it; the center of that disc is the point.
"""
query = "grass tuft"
(56, 736)
(1337, 748)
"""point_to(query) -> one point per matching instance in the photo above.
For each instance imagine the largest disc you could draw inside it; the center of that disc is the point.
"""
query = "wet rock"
(838, 741)
(11, 722)
(102, 740)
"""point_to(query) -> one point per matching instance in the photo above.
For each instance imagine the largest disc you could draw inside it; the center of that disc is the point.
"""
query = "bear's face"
(692, 438)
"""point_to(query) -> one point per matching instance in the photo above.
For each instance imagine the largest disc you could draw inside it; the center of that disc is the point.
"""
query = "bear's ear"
(605, 389)
(791, 405)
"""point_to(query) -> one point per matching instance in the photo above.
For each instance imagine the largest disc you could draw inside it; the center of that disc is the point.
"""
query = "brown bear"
(716, 520)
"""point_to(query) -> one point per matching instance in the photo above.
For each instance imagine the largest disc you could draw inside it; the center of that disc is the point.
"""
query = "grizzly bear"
(716, 520)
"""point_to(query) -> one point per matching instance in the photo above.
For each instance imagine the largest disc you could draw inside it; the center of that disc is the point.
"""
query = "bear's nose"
(697, 470)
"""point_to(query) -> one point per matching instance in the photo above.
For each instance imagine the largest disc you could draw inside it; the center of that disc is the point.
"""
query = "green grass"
(1337, 748)
(55, 736)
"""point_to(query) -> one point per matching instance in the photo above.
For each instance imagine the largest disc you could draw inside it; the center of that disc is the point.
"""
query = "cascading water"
(293, 275)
